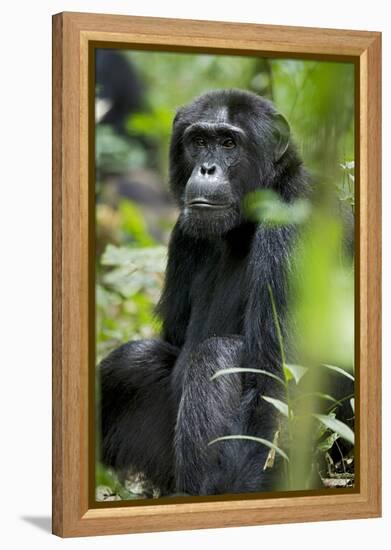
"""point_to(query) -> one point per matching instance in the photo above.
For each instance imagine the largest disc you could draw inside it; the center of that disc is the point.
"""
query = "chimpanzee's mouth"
(204, 203)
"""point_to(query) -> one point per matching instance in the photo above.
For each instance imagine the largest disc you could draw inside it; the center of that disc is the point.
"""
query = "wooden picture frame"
(74, 37)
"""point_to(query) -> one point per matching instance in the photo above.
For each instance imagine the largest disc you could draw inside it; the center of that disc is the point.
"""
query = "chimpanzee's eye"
(229, 143)
(199, 141)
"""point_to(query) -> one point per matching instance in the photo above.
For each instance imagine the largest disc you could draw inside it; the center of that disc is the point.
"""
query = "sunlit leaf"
(222, 372)
(336, 426)
(152, 258)
(295, 371)
(134, 224)
(339, 370)
(279, 405)
(266, 206)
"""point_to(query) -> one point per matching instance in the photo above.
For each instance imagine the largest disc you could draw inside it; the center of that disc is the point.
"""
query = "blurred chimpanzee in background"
(120, 93)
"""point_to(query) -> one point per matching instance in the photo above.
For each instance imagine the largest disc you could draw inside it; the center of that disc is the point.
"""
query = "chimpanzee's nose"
(207, 169)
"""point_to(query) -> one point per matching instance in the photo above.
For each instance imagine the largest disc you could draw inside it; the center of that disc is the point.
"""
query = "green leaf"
(152, 258)
(322, 429)
(266, 206)
(336, 426)
(328, 442)
(279, 405)
(233, 370)
(338, 369)
(295, 371)
(133, 223)
(352, 403)
(106, 477)
(252, 438)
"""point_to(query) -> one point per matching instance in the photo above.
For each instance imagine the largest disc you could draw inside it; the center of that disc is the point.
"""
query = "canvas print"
(225, 275)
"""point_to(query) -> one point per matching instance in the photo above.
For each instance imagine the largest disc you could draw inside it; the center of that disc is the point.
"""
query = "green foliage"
(147, 260)
(265, 205)
(113, 154)
(339, 370)
(155, 125)
(133, 223)
(129, 282)
(295, 372)
(278, 404)
(106, 478)
(336, 426)
(174, 79)
(304, 444)
(323, 283)
(127, 294)
(317, 98)
(322, 318)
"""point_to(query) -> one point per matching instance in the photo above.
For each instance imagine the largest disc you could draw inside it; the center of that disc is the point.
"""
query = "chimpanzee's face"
(222, 147)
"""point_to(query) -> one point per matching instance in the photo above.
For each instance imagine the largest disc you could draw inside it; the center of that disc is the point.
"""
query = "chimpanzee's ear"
(282, 132)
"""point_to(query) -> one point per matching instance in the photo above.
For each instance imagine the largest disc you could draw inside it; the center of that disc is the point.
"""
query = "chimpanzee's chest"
(218, 300)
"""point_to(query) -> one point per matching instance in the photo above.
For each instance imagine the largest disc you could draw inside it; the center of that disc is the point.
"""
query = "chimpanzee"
(159, 407)
(119, 89)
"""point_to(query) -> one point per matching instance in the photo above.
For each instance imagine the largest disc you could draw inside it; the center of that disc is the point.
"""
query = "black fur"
(119, 83)
(159, 408)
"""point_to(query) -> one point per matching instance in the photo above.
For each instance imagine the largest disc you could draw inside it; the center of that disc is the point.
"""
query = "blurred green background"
(137, 95)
